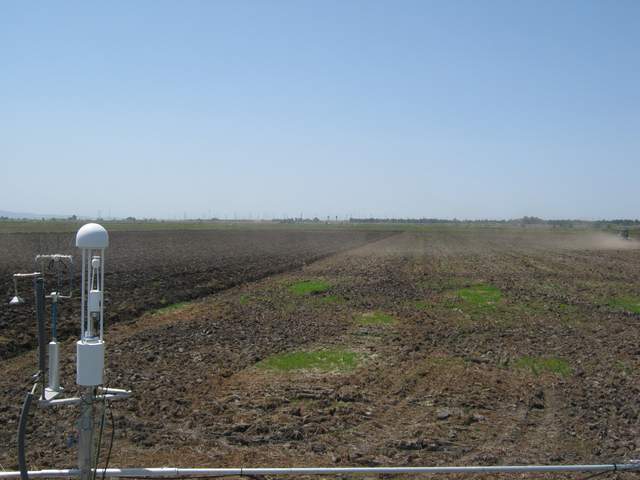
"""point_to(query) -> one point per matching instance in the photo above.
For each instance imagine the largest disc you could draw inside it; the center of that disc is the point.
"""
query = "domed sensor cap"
(92, 235)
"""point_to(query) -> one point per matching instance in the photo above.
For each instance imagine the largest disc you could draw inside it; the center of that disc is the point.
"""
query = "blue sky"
(466, 109)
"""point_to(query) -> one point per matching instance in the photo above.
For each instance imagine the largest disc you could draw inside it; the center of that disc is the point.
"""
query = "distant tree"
(532, 220)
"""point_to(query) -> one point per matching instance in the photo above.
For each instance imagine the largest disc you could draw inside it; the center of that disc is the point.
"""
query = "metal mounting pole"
(41, 333)
(85, 428)
(54, 349)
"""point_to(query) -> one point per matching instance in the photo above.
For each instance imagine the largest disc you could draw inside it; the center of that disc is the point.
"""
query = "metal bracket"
(105, 394)
(50, 394)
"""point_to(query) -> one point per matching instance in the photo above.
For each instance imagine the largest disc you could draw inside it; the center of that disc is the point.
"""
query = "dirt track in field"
(444, 384)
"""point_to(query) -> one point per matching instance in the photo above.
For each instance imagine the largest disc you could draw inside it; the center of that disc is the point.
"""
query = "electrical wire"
(22, 430)
(104, 411)
(105, 404)
(614, 470)
(113, 434)
(594, 475)
(34, 378)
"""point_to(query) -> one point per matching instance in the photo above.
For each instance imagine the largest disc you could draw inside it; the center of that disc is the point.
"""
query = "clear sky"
(467, 109)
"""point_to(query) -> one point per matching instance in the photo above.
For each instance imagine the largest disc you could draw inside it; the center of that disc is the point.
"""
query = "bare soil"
(152, 269)
(443, 384)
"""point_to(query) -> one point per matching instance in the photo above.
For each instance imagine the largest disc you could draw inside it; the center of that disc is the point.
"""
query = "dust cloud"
(456, 241)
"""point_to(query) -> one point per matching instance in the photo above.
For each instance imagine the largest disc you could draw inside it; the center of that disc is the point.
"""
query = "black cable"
(613, 470)
(104, 411)
(113, 434)
(594, 475)
(22, 429)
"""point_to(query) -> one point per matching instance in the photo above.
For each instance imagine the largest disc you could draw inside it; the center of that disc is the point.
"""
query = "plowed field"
(152, 269)
(444, 346)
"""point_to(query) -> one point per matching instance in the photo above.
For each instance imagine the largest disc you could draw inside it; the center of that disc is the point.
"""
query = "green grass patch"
(624, 367)
(332, 299)
(244, 299)
(171, 308)
(323, 360)
(480, 295)
(375, 318)
(422, 305)
(629, 304)
(475, 300)
(540, 365)
(309, 287)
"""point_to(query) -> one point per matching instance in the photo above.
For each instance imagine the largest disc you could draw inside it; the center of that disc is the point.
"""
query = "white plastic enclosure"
(90, 362)
(92, 239)
(95, 301)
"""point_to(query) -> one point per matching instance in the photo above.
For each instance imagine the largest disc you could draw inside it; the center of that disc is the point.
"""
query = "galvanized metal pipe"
(41, 332)
(85, 442)
(219, 472)
(56, 402)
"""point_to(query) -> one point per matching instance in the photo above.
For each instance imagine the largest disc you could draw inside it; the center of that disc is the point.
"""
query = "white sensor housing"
(90, 362)
(95, 301)
(92, 239)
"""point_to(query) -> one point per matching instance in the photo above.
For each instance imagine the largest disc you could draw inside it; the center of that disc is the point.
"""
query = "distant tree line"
(403, 220)
(622, 222)
(524, 221)
(299, 220)
(425, 221)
